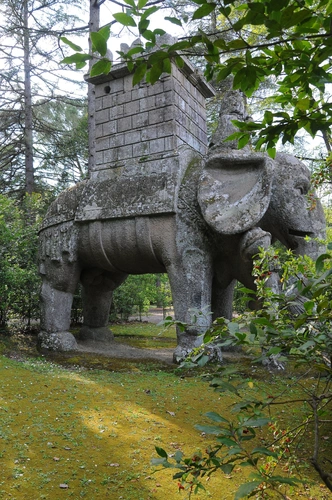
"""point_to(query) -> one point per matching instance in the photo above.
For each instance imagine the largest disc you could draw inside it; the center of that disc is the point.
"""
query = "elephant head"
(240, 190)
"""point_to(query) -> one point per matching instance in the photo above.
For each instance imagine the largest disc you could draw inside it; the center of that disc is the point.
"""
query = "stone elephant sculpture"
(225, 208)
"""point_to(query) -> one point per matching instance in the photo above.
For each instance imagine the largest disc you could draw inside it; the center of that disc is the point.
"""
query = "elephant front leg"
(97, 292)
(190, 282)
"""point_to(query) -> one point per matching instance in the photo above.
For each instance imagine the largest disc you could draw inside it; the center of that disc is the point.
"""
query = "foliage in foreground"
(280, 337)
(286, 41)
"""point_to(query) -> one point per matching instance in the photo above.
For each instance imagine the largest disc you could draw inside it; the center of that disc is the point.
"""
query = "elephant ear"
(234, 190)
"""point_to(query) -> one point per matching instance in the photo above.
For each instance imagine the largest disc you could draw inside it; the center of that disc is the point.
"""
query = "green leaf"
(149, 12)
(225, 386)
(159, 461)
(180, 46)
(227, 442)
(286, 480)
(204, 11)
(237, 44)
(227, 468)
(215, 417)
(202, 360)
(174, 20)
(101, 67)
(135, 50)
(320, 261)
(149, 35)
(155, 72)
(243, 141)
(98, 43)
(268, 117)
(179, 62)
(256, 422)
(71, 44)
(141, 4)
(309, 306)
(131, 3)
(178, 456)
(246, 489)
(290, 18)
(257, 7)
(264, 451)
(158, 57)
(161, 452)
(307, 345)
(208, 429)
(272, 152)
(303, 104)
(159, 32)
(105, 32)
(143, 25)
(124, 19)
(140, 73)
(273, 350)
(167, 66)
(78, 59)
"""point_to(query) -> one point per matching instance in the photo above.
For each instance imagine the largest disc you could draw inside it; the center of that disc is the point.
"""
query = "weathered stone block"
(124, 124)
(141, 120)
(99, 158)
(102, 143)
(116, 112)
(117, 140)
(147, 103)
(157, 146)
(140, 149)
(102, 116)
(109, 127)
(131, 108)
(149, 133)
(125, 152)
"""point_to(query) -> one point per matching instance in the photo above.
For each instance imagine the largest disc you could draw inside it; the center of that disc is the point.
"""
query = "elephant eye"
(302, 188)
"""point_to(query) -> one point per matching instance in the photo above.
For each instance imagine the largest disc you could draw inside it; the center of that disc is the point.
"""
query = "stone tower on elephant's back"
(145, 137)
(144, 123)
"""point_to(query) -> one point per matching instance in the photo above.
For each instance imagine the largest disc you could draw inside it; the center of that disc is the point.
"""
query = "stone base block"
(58, 341)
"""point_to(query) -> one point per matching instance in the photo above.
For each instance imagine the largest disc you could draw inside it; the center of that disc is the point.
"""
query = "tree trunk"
(28, 140)
(93, 26)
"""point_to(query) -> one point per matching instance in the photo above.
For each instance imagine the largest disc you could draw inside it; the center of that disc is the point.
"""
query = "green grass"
(145, 335)
(149, 330)
(95, 430)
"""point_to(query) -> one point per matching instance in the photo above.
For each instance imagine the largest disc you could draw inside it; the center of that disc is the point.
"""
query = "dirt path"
(125, 351)
(118, 350)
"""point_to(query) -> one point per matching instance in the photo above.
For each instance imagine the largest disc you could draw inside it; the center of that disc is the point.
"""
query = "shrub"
(303, 339)
(19, 279)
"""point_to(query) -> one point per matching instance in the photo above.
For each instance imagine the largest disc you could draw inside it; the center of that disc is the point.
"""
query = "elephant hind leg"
(56, 299)
(97, 291)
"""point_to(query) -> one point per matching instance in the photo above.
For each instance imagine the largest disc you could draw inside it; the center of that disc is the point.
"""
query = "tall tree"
(30, 76)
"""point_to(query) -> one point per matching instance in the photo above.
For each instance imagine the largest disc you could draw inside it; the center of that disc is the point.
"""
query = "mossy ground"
(95, 430)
